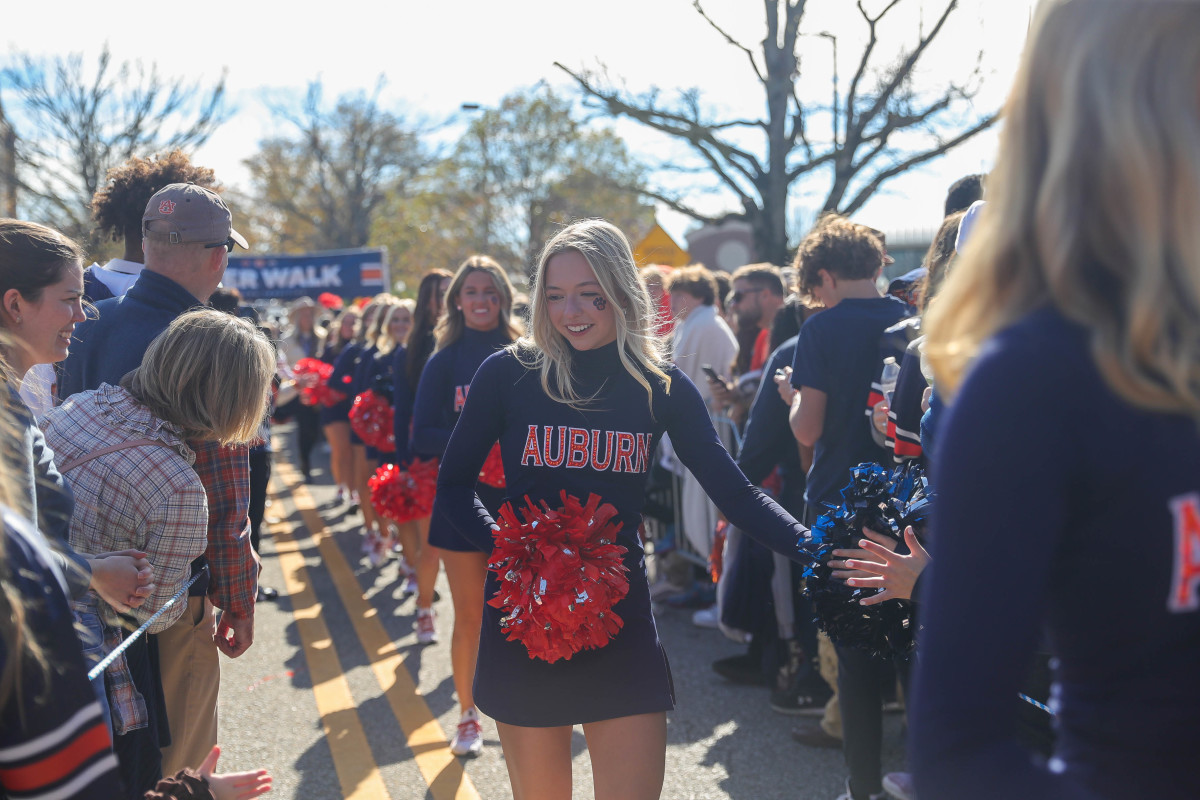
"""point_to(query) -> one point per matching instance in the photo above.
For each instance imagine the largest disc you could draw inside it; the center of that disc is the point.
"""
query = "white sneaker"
(410, 586)
(426, 629)
(378, 552)
(899, 785)
(706, 618)
(468, 739)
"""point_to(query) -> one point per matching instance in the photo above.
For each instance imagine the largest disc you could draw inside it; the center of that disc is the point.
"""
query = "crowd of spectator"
(1039, 367)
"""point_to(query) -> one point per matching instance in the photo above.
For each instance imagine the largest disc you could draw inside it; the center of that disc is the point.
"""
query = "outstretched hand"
(233, 785)
(894, 573)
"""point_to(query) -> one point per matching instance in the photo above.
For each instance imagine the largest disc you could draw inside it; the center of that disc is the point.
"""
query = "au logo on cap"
(166, 207)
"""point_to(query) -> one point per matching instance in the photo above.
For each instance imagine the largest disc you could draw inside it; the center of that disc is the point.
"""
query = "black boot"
(799, 688)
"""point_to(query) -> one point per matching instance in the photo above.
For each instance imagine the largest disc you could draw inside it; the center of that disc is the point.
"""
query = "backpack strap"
(103, 451)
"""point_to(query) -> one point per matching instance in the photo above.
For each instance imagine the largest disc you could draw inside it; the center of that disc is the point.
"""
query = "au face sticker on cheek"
(600, 303)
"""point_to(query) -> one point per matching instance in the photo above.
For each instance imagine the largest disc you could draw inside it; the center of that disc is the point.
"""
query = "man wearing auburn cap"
(187, 233)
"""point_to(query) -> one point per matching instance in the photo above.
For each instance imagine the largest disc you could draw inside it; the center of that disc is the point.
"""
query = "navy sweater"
(403, 394)
(1060, 505)
(342, 380)
(606, 449)
(103, 349)
(768, 438)
(364, 370)
(443, 389)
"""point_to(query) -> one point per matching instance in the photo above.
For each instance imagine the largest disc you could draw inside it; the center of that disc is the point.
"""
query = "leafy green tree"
(321, 187)
(520, 171)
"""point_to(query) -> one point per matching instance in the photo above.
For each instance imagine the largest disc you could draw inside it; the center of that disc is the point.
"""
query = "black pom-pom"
(887, 503)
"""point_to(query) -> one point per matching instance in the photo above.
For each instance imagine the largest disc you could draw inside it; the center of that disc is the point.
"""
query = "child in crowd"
(836, 357)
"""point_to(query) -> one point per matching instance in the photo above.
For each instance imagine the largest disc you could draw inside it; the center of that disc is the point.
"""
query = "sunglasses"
(228, 244)
(736, 297)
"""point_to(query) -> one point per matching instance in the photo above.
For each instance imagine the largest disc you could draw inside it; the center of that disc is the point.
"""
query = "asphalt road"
(338, 700)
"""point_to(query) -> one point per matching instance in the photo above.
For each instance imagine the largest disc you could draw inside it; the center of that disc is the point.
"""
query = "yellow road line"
(356, 769)
(442, 771)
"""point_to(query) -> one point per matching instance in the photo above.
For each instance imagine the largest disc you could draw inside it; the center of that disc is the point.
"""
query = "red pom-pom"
(492, 473)
(371, 418)
(560, 574)
(313, 375)
(403, 495)
(329, 300)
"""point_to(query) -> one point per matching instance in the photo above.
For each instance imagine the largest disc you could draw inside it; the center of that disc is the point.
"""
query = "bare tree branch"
(810, 165)
(749, 53)
(904, 70)
(675, 204)
(864, 151)
(897, 122)
(75, 123)
(863, 62)
(884, 175)
(691, 130)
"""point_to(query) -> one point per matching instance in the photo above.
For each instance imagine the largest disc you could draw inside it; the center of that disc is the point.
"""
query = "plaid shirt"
(225, 472)
(146, 497)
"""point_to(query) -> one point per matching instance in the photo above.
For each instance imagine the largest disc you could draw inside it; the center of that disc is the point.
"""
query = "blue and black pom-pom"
(886, 502)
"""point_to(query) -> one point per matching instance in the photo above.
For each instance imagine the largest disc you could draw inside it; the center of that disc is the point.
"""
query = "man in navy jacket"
(187, 233)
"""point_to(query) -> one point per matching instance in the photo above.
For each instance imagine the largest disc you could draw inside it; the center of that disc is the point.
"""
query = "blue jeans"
(91, 636)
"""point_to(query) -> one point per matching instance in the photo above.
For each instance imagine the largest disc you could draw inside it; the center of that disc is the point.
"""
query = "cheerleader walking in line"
(335, 418)
(394, 324)
(342, 380)
(1068, 336)
(360, 377)
(476, 323)
(408, 362)
(577, 408)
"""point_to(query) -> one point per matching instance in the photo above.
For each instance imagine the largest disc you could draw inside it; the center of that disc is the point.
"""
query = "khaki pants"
(191, 677)
(831, 723)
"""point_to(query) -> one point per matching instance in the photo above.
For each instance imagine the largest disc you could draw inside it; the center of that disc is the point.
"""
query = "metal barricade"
(655, 531)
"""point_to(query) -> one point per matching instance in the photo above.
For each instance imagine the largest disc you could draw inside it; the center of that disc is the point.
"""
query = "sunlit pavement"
(338, 700)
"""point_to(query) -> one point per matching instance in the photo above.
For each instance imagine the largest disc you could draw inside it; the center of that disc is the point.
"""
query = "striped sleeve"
(54, 739)
(904, 417)
(71, 760)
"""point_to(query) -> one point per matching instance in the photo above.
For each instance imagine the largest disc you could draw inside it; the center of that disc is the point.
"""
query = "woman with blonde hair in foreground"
(1069, 466)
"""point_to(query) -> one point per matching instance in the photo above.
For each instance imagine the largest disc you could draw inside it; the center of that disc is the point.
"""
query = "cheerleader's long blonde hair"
(547, 351)
(1094, 205)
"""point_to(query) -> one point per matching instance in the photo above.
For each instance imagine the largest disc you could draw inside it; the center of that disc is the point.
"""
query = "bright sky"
(438, 54)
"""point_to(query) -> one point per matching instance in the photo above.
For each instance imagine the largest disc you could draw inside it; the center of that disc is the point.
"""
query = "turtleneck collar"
(496, 336)
(599, 361)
